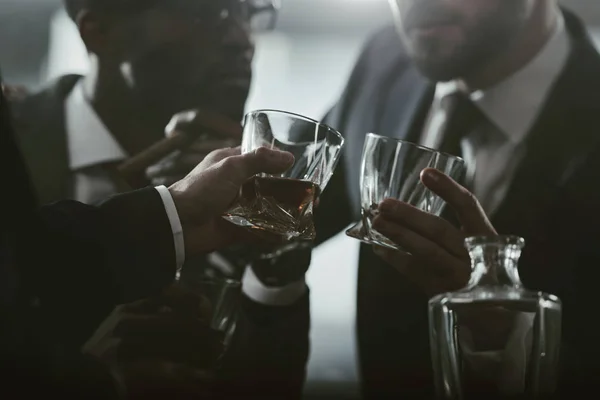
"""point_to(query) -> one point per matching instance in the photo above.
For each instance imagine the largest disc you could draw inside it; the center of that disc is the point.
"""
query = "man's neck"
(526, 46)
(126, 120)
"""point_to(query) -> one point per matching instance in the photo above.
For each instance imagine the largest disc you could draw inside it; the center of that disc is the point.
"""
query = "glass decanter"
(494, 338)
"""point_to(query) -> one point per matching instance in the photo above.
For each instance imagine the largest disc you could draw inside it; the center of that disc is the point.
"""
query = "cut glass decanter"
(494, 338)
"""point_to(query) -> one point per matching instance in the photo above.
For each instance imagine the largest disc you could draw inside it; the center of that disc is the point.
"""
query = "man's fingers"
(179, 120)
(208, 145)
(191, 160)
(178, 167)
(239, 166)
(181, 163)
(221, 154)
(434, 255)
(204, 121)
(261, 160)
(463, 202)
(425, 224)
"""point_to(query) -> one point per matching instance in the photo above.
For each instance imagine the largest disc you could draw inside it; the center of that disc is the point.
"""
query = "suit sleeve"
(576, 283)
(63, 268)
(269, 351)
(76, 262)
(73, 264)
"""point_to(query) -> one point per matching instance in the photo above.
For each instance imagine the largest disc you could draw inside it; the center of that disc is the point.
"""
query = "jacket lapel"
(559, 141)
(407, 106)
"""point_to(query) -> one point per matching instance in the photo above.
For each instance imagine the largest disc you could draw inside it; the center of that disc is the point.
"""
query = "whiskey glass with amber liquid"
(281, 206)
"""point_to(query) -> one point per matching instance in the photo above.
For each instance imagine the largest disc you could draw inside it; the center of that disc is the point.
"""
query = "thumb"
(261, 160)
(179, 120)
(221, 154)
(464, 203)
(200, 121)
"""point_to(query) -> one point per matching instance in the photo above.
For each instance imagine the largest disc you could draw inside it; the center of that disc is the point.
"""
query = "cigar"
(136, 165)
(203, 122)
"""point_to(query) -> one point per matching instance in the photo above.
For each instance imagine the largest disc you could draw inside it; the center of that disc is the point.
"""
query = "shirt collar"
(514, 104)
(89, 140)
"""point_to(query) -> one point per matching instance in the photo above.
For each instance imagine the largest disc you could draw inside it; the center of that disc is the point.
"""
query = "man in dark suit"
(129, 244)
(514, 88)
(533, 74)
(148, 61)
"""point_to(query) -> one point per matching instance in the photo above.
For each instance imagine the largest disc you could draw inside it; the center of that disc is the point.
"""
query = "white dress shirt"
(90, 145)
(511, 106)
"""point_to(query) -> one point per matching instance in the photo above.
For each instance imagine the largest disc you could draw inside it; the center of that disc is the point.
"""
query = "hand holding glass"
(282, 205)
(391, 168)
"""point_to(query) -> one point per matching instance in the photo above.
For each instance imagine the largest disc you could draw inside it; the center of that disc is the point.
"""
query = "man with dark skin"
(47, 289)
(155, 66)
(149, 61)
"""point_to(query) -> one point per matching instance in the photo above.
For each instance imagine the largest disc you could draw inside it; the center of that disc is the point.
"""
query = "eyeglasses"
(260, 15)
(265, 13)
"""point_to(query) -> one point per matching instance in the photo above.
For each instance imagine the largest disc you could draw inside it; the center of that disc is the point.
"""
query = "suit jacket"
(269, 350)
(64, 267)
(41, 134)
(551, 203)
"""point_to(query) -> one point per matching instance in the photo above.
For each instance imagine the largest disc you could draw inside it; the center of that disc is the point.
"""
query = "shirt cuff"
(282, 296)
(176, 228)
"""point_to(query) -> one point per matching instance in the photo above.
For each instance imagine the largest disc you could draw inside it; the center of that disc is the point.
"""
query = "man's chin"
(230, 101)
(439, 70)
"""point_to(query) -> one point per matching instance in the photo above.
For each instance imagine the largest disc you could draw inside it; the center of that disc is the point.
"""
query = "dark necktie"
(462, 118)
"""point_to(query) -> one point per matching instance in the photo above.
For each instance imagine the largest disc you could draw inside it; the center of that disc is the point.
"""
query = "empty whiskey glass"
(391, 168)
